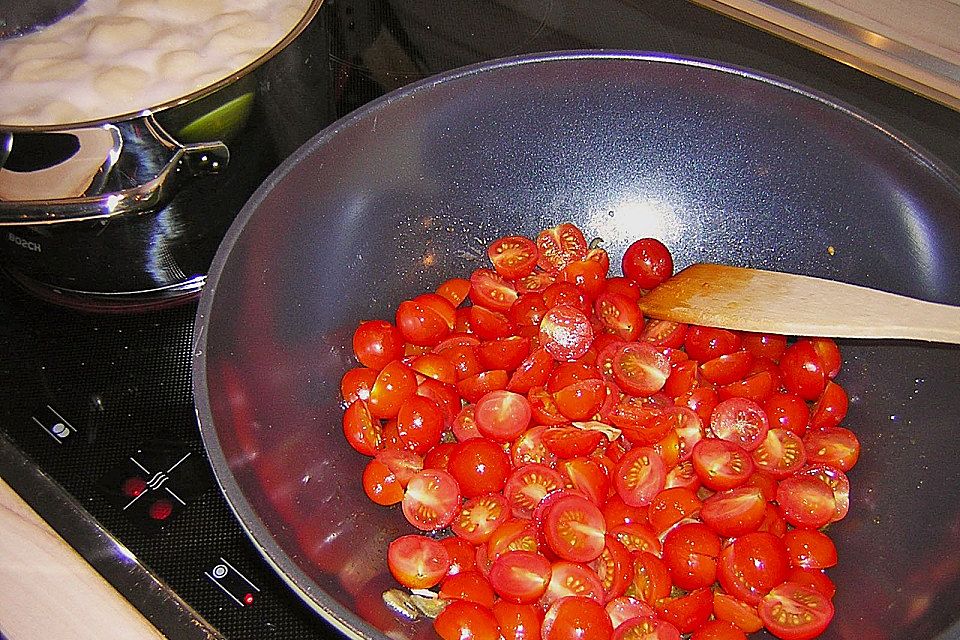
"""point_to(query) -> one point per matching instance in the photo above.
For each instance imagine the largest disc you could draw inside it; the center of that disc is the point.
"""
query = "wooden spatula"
(771, 302)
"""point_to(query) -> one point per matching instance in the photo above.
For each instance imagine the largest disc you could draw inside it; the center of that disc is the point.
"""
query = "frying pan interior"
(721, 164)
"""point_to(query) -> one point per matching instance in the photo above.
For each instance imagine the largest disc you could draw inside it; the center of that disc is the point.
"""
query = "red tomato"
(575, 529)
(468, 585)
(727, 368)
(637, 536)
(664, 334)
(690, 552)
(576, 618)
(838, 483)
(517, 621)
(735, 511)
(377, 343)
(362, 431)
(417, 561)
(520, 577)
(587, 274)
(426, 319)
(622, 286)
(462, 620)
(815, 579)
(614, 567)
(639, 476)
(587, 476)
(751, 565)
(513, 535)
(454, 291)
(836, 446)
(646, 628)
(620, 315)
(559, 246)
(721, 464)
(741, 614)
(683, 475)
(475, 387)
(356, 384)
(829, 355)
(707, 343)
(462, 554)
(640, 369)
(464, 425)
(488, 324)
(572, 579)
(534, 371)
(757, 386)
(380, 484)
(647, 262)
(740, 420)
(806, 502)
(566, 294)
(479, 517)
(513, 256)
(479, 466)
(672, 505)
(432, 500)
(794, 612)
(502, 415)
(831, 407)
(536, 282)
(765, 345)
(529, 449)
(803, 371)
(489, 290)
(394, 385)
(528, 485)
(581, 400)
(787, 411)
(810, 549)
(651, 578)
(718, 630)
(687, 612)
(504, 353)
(565, 333)
(780, 454)
(419, 424)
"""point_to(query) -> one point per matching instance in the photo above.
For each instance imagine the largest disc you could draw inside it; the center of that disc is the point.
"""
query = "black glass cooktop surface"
(101, 403)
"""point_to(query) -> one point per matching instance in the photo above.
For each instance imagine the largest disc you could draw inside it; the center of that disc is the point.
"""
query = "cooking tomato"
(559, 246)
(376, 343)
(576, 618)
(690, 552)
(419, 424)
(517, 621)
(756, 386)
(646, 628)
(639, 476)
(462, 619)
(810, 549)
(488, 324)
(721, 464)
(806, 502)
(831, 407)
(417, 561)
(529, 449)
(741, 614)
(475, 387)
(528, 485)
(571, 442)
(454, 290)
(480, 516)
(735, 511)
(520, 577)
(565, 333)
(572, 579)
(787, 411)
(581, 400)
(502, 415)
(647, 262)
(706, 343)
(513, 256)
(751, 565)
(838, 483)
(803, 371)
(664, 333)
(815, 579)
(638, 536)
(651, 578)
(356, 384)
(380, 484)
(829, 354)
(394, 385)
(640, 369)
(528, 310)
(727, 368)
(488, 289)
(426, 319)
(672, 505)
(614, 567)
(780, 453)
(718, 630)
(587, 274)
(765, 345)
(362, 431)
(567, 294)
(794, 612)
(431, 500)
(468, 585)
(687, 612)
(575, 529)
(462, 554)
(835, 446)
(534, 371)
(740, 420)
(587, 476)
(479, 466)
(683, 475)
(503, 353)
(619, 315)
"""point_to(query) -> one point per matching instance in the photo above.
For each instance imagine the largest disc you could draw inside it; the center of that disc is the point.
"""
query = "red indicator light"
(133, 487)
(248, 599)
(161, 510)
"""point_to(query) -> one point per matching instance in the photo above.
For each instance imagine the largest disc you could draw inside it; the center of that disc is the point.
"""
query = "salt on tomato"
(740, 420)
(565, 333)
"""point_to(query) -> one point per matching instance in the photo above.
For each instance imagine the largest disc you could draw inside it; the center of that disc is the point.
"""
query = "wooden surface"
(48, 591)
(911, 43)
(772, 302)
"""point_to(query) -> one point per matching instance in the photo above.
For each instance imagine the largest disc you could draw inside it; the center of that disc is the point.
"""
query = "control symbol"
(232, 582)
(156, 481)
(55, 425)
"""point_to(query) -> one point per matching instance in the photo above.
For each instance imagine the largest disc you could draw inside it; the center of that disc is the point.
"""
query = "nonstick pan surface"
(721, 164)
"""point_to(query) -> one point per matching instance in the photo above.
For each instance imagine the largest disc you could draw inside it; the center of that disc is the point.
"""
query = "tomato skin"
(576, 618)
(565, 333)
(479, 466)
(513, 256)
(581, 400)
(586, 274)
(380, 484)
(737, 612)
(690, 551)
(462, 554)
(794, 612)
(721, 464)
(687, 612)
(376, 343)
(520, 577)
(829, 354)
(787, 411)
(835, 446)
(728, 368)
(815, 579)
(574, 529)
(735, 512)
(647, 262)
(420, 424)
(806, 502)
(664, 334)
(672, 505)
(706, 343)
(838, 483)
(718, 630)
(356, 384)
(468, 585)
(431, 500)
(361, 430)
(751, 565)
(465, 620)
(765, 345)
(504, 353)
(639, 476)
(831, 407)
(802, 370)
(417, 561)
(810, 549)
(395, 383)
(517, 621)
(559, 246)
(425, 320)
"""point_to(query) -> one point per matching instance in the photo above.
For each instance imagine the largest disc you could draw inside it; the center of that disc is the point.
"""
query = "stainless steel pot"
(126, 212)
(721, 163)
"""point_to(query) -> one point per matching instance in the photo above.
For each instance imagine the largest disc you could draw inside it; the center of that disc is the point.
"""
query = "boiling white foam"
(116, 57)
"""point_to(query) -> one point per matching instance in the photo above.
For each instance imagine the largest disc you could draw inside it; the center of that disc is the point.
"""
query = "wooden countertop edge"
(50, 591)
(870, 60)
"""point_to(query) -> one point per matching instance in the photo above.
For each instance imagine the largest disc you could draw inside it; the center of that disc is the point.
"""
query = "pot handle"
(97, 172)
